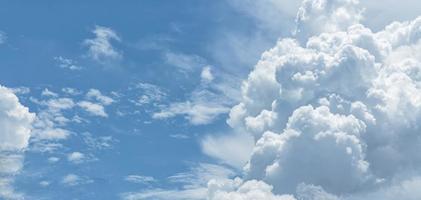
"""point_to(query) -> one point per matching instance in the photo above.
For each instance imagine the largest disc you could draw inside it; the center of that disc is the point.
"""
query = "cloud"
(140, 179)
(50, 121)
(3, 37)
(76, 157)
(334, 110)
(149, 94)
(206, 75)
(16, 129)
(75, 180)
(93, 108)
(97, 95)
(47, 92)
(204, 105)
(184, 62)
(15, 120)
(100, 48)
(194, 184)
(237, 189)
(67, 63)
(98, 143)
(197, 113)
(233, 149)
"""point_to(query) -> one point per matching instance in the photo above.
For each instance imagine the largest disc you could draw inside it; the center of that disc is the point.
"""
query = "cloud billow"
(334, 110)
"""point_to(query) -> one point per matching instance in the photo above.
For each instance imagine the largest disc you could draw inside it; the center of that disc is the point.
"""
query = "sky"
(217, 100)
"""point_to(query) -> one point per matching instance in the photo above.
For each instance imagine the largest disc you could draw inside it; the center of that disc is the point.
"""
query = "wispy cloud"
(100, 48)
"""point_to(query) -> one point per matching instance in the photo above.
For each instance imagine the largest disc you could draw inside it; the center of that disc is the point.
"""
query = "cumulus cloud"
(16, 130)
(76, 157)
(15, 120)
(237, 189)
(206, 74)
(334, 110)
(100, 48)
(93, 108)
(97, 95)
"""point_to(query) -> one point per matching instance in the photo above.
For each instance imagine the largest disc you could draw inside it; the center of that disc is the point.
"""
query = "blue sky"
(215, 100)
(161, 44)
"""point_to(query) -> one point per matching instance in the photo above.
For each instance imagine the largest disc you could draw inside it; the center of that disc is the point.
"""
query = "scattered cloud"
(66, 63)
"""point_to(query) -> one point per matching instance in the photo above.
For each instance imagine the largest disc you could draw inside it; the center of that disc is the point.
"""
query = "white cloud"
(3, 37)
(53, 159)
(7, 191)
(335, 110)
(16, 129)
(140, 179)
(100, 48)
(76, 157)
(197, 113)
(194, 184)
(48, 93)
(75, 180)
(184, 62)
(15, 120)
(206, 75)
(233, 149)
(98, 143)
(70, 91)
(93, 108)
(66, 63)
(50, 121)
(203, 106)
(44, 183)
(97, 95)
(237, 189)
(149, 94)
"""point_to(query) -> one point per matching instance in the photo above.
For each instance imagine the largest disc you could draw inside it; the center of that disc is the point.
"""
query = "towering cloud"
(334, 110)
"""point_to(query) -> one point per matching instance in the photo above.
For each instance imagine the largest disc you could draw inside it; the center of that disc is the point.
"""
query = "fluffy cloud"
(15, 120)
(206, 74)
(97, 95)
(76, 157)
(239, 190)
(100, 48)
(93, 108)
(334, 111)
(16, 129)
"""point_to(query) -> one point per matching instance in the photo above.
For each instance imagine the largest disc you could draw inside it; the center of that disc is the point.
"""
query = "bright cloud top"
(334, 109)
